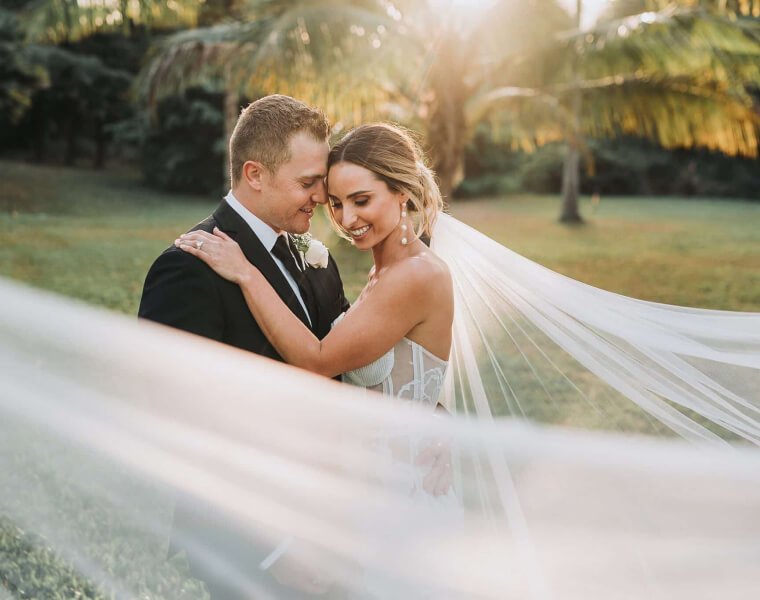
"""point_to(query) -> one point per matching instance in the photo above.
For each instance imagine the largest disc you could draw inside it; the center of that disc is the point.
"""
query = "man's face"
(291, 193)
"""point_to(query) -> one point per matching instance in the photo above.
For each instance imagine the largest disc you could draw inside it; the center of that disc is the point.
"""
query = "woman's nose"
(348, 217)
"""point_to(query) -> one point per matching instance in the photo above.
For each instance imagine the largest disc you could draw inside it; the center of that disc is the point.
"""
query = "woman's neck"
(391, 250)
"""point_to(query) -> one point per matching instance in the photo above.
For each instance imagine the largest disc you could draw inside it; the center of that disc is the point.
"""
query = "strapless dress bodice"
(406, 371)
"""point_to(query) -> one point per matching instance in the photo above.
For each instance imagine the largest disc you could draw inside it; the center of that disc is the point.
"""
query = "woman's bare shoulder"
(425, 272)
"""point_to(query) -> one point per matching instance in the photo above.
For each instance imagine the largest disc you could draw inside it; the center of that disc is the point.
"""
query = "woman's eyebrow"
(352, 194)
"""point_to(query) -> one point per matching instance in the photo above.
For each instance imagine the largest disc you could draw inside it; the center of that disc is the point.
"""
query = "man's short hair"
(265, 127)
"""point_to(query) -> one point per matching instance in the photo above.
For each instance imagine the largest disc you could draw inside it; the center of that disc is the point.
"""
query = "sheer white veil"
(529, 341)
(569, 405)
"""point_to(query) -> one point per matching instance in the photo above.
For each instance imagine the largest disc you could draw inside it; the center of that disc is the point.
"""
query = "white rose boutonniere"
(314, 252)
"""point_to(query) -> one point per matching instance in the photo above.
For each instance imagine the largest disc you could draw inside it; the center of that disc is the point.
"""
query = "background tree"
(59, 21)
(20, 76)
(678, 75)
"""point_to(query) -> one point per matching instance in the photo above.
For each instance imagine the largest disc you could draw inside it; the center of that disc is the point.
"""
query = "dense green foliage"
(71, 102)
(626, 166)
(86, 93)
(39, 573)
(87, 544)
(184, 149)
(20, 75)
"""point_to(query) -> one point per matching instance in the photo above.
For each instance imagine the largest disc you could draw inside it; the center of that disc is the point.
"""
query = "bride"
(396, 338)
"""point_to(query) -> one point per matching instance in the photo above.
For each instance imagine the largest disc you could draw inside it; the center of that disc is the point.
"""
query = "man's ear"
(252, 173)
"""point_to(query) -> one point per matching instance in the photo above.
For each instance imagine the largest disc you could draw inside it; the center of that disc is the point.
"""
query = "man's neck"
(252, 206)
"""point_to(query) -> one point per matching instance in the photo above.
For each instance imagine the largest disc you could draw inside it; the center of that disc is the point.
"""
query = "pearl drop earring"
(404, 241)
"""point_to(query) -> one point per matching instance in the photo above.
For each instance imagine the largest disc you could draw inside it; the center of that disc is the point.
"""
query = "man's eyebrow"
(316, 176)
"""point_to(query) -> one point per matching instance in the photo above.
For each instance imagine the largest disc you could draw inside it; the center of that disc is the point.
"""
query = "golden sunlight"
(591, 10)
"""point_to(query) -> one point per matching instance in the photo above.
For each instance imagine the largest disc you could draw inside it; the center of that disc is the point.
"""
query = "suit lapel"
(233, 225)
(324, 285)
(307, 272)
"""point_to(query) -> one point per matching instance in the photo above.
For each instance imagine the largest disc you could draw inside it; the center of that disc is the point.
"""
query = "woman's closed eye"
(358, 201)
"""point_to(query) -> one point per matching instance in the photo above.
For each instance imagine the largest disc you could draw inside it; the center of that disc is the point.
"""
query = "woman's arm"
(396, 304)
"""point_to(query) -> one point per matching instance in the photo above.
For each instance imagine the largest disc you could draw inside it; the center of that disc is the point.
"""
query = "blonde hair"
(264, 129)
(395, 157)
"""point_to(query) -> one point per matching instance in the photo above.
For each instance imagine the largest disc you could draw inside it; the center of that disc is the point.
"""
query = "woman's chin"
(363, 242)
(360, 245)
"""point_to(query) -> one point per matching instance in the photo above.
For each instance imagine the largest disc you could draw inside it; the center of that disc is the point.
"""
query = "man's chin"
(298, 228)
(300, 224)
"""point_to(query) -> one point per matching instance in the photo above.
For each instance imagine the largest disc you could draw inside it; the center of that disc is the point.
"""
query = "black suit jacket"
(183, 292)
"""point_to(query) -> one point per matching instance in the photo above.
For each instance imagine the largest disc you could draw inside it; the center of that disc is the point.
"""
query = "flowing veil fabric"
(570, 408)
(530, 342)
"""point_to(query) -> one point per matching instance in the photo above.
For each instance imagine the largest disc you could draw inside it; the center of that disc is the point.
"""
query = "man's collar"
(264, 232)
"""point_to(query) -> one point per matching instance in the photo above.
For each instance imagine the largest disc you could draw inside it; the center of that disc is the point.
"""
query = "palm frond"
(55, 21)
(341, 61)
(675, 41)
(675, 112)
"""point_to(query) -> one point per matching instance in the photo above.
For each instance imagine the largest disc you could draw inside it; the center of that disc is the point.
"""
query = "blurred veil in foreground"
(104, 423)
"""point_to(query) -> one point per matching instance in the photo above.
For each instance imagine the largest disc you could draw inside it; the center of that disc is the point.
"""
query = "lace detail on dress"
(407, 371)
(372, 374)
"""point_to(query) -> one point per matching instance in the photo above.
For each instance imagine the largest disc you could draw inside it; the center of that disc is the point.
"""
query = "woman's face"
(363, 205)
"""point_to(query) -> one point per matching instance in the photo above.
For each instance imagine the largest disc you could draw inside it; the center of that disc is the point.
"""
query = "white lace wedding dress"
(411, 373)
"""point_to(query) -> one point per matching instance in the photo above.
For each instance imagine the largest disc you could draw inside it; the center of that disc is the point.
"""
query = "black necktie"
(283, 252)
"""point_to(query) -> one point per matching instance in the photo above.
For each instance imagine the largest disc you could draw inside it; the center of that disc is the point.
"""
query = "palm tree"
(409, 60)
(631, 77)
(57, 21)
(676, 74)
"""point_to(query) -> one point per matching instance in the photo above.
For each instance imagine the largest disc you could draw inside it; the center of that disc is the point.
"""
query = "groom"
(278, 162)
(278, 159)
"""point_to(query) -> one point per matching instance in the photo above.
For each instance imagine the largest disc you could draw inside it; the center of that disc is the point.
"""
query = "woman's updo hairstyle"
(393, 155)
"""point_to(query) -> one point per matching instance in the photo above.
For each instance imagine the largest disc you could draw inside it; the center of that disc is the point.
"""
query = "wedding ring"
(199, 244)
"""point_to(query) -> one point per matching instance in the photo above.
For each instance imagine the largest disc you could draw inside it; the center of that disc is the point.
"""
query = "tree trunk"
(99, 161)
(70, 129)
(67, 20)
(447, 122)
(571, 172)
(39, 128)
(126, 29)
(570, 186)
(447, 144)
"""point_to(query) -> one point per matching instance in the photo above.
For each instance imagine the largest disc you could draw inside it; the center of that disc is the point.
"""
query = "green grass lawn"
(93, 236)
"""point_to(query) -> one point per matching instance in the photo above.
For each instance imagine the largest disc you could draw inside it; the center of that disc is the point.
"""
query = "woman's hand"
(219, 251)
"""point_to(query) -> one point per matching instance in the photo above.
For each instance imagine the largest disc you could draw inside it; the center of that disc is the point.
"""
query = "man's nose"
(320, 194)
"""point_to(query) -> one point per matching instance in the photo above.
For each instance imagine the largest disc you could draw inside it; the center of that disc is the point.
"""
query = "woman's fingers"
(198, 233)
(195, 244)
(219, 233)
(196, 238)
(191, 249)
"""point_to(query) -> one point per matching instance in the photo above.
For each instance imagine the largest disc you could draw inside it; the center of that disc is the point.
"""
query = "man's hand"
(438, 481)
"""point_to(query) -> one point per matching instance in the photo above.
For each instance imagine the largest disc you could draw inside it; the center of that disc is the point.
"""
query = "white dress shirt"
(267, 236)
